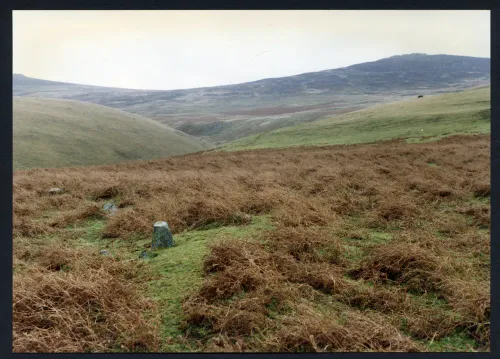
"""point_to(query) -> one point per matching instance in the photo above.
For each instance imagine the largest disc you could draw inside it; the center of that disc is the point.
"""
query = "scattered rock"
(104, 252)
(162, 237)
(56, 190)
(110, 208)
(420, 96)
(145, 254)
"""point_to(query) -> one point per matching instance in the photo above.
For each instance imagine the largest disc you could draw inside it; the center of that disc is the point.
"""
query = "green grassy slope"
(227, 113)
(440, 115)
(57, 133)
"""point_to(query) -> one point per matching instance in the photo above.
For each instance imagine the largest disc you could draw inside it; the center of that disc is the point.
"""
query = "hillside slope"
(440, 115)
(218, 113)
(376, 248)
(56, 133)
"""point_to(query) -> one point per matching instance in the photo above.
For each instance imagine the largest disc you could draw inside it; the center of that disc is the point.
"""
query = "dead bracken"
(371, 249)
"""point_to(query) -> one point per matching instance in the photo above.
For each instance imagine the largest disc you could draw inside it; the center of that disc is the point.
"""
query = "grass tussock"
(406, 264)
(309, 331)
(84, 212)
(306, 244)
(69, 300)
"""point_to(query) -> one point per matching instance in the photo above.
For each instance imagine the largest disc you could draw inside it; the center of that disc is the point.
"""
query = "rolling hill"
(225, 113)
(373, 248)
(439, 115)
(57, 133)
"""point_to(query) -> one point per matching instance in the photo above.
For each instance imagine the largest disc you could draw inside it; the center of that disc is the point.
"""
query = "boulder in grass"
(104, 252)
(56, 190)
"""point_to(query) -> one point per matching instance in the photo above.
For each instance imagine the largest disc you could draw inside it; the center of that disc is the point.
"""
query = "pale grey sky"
(185, 49)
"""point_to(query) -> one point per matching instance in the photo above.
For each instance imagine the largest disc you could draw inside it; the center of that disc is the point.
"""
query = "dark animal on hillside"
(420, 96)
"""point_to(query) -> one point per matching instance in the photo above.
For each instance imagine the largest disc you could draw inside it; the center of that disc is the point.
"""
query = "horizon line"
(246, 82)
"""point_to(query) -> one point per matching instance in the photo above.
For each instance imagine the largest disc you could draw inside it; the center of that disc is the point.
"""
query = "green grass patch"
(377, 237)
(459, 341)
(479, 200)
(431, 118)
(180, 272)
(456, 342)
(354, 254)
(370, 237)
(90, 231)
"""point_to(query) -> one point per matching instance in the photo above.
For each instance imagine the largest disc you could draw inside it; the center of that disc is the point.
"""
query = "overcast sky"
(186, 49)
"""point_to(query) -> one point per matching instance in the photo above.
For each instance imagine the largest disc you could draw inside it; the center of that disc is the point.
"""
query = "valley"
(225, 113)
(334, 211)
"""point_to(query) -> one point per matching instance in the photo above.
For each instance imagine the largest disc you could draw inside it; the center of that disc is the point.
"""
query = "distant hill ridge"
(225, 113)
(416, 62)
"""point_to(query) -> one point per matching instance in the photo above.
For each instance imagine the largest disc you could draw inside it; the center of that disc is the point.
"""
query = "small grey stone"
(110, 207)
(56, 190)
(104, 252)
(107, 206)
(146, 254)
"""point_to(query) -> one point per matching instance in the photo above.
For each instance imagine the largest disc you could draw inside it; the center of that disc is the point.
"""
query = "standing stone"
(56, 191)
(162, 237)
